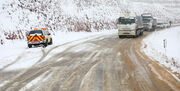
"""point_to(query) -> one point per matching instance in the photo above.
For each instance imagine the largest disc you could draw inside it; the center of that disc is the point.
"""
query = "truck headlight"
(150, 24)
(133, 27)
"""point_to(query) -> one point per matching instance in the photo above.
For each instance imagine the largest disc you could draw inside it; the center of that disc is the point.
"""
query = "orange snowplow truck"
(39, 37)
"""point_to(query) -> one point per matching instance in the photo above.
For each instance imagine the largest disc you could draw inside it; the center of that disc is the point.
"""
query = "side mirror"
(27, 34)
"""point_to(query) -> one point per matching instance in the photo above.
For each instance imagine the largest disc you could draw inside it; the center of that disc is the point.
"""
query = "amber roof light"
(44, 29)
(36, 29)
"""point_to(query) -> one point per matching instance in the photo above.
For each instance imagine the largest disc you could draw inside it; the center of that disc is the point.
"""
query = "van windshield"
(35, 31)
(126, 21)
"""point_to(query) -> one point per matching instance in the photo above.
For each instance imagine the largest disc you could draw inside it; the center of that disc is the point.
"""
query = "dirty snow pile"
(164, 46)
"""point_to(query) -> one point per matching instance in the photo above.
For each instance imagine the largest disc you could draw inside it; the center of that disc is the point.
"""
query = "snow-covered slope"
(19, 16)
(164, 46)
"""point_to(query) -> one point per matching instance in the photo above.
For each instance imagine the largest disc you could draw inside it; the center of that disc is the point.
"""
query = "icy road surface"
(103, 63)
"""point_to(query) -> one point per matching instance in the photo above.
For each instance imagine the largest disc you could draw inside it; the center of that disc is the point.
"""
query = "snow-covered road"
(102, 62)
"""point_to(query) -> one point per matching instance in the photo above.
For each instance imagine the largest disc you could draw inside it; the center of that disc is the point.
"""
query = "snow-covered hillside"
(19, 16)
(164, 46)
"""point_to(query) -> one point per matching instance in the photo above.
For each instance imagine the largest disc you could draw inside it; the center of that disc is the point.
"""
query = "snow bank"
(164, 46)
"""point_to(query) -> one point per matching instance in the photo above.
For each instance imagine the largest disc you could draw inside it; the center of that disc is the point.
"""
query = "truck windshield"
(159, 23)
(35, 31)
(125, 21)
(146, 20)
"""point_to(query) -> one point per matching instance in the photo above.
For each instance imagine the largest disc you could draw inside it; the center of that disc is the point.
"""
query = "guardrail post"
(165, 44)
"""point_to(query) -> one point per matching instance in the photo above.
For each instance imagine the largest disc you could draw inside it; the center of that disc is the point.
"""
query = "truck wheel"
(136, 35)
(120, 36)
(51, 42)
(154, 29)
(141, 33)
(29, 45)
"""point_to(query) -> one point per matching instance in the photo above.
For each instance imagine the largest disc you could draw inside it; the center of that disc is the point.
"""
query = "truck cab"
(130, 25)
(149, 22)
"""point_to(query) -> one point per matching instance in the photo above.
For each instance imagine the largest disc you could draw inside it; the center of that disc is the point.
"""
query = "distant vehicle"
(166, 25)
(129, 24)
(149, 22)
(160, 25)
(39, 37)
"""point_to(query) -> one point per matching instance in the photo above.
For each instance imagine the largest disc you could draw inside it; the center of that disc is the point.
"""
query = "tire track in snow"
(19, 76)
(112, 65)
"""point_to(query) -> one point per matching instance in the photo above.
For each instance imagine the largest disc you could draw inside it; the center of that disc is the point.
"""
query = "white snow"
(168, 55)
(35, 81)
(159, 76)
(71, 15)
(16, 55)
(26, 59)
(10, 51)
(74, 38)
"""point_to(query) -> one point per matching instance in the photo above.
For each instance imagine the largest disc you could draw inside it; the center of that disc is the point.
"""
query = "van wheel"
(29, 45)
(51, 42)
(45, 44)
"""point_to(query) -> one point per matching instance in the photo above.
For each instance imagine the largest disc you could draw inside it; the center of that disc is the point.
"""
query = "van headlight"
(29, 42)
